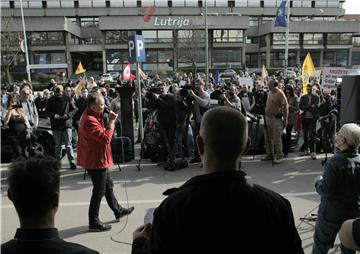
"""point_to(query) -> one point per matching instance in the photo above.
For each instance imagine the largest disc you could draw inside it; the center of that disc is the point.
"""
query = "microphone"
(107, 110)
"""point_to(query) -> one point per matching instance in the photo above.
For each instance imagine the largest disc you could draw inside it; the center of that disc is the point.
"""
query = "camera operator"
(201, 104)
(230, 98)
(164, 103)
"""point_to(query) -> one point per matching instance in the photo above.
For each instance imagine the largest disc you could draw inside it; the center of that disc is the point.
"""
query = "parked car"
(43, 145)
(114, 74)
(228, 73)
(106, 77)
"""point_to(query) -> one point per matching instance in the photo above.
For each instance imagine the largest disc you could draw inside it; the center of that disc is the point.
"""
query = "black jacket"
(42, 241)
(222, 213)
(65, 107)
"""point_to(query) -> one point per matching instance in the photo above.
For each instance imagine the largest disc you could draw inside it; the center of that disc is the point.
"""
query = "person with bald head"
(201, 215)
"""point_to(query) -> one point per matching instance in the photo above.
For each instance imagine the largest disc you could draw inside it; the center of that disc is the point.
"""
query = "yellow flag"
(79, 69)
(142, 74)
(307, 71)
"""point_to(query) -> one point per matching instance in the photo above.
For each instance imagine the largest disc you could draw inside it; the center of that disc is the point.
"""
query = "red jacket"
(93, 149)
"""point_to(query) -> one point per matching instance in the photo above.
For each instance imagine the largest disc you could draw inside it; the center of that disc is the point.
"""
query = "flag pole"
(287, 37)
(25, 42)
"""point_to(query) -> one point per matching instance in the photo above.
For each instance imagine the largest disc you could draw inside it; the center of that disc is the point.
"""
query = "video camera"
(185, 90)
(150, 93)
(19, 105)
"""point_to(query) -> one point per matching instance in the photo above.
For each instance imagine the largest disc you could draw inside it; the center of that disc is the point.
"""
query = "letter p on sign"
(136, 48)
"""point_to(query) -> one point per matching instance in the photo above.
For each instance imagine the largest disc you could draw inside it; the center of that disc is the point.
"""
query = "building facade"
(241, 33)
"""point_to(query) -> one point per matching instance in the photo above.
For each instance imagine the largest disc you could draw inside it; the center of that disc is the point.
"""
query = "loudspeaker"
(350, 100)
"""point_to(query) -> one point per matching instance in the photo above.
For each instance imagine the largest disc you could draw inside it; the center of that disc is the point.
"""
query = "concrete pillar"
(104, 60)
(243, 53)
(68, 54)
(104, 53)
(268, 50)
(321, 57)
(350, 57)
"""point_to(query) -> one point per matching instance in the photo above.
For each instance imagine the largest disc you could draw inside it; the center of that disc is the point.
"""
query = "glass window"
(5, 4)
(151, 56)
(355, 58)
(116, 3)
(53, 4)
(334, 3)
(240, 3)
(356, 41)
(296, 3)
(221, 3)
(226, 55)
(89, 22)
(251, 60)
(147, 3)
(99, 3)
(84, 3)
(209, 3)
(35, 4)
(57, 58)
(130, 3)
(191, 36)
(55, 36)
(116, 56)
(161, 3)
(270, 3)
(150, 35)
(191, 3)
(267, 19)
(253, 3)
(165, 55)
(328, 59)
(279, 38)
(228, 35)
(319, 3)
(178, 3)
(253, 21)
(341, 58)
(165, 36)
(67, 4)
(339, 39)
(306, 3)
(313, 39)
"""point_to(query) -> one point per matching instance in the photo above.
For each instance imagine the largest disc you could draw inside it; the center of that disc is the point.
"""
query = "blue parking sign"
(136, 48)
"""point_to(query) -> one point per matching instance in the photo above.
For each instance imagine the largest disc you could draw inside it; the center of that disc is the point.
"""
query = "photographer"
(230, 98)
(19, 127)
(201, 104)
(164, 103)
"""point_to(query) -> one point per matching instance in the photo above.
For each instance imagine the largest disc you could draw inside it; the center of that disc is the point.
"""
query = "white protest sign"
(330, 76)
(247, 81)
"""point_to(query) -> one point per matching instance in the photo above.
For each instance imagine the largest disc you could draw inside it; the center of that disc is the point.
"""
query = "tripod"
(309, 218)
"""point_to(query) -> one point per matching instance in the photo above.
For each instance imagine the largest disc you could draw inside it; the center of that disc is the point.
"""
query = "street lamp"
(25, 42)
(206, 49)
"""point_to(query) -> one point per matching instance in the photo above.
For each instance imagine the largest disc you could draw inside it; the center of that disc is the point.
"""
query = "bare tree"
(190, 47)
(9, 49)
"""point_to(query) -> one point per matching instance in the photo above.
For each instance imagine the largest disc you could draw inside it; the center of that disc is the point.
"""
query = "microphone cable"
(125, 190)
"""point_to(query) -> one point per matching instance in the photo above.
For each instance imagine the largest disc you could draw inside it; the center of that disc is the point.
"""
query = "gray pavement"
(143, 189)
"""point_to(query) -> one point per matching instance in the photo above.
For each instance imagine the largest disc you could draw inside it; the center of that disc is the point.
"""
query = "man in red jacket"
(95, 156)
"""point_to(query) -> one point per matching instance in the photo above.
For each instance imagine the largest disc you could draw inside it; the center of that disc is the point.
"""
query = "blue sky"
(352, 7)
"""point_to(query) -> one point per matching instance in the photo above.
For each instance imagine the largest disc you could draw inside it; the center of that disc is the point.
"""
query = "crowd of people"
(188, 124)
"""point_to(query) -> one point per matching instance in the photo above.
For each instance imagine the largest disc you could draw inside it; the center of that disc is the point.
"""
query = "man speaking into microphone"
(94, 155)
